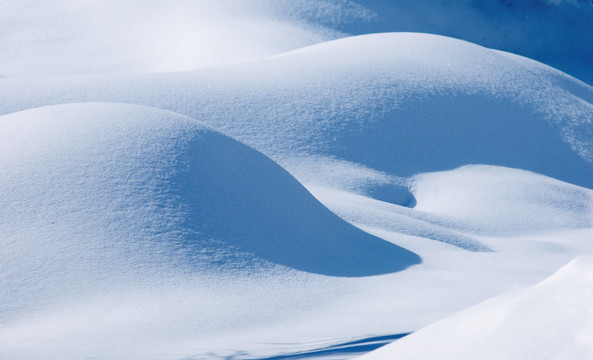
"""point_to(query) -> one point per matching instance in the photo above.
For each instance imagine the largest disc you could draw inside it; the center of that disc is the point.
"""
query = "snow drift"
(552, 320)
(550, 31)
(498, 201)
(398, 103)
(93, 193)
(157, 197)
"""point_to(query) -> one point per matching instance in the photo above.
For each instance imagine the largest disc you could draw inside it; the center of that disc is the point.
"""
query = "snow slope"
(63, 37)
(551, 320)
(397, 103)
(209, 249)
(550, 31)
(91, 191)
(516, 202)
(132, 36)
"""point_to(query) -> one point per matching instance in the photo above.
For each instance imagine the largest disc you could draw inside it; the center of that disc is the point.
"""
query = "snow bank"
(551, 320)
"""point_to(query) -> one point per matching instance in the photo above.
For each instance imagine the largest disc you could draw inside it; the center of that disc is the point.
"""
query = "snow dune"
(551, 320)
(550, 31)
(500, 201)
(465, 206)
(398, 104)
(97, 192)
(202, 235)
(366, 114)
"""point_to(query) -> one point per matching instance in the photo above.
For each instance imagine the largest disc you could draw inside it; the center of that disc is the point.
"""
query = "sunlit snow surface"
(552, 319)
(189, 215)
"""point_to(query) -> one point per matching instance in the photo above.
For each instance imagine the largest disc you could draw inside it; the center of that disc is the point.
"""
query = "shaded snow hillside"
(96, 192)
(398, 103)
(551, 320)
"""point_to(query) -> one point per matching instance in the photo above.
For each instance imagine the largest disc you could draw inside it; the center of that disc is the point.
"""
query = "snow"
(550, 31)
(516, 202)
(131, 35)
(369, 100)
(65, 37)
(275, 201)
(551, 320)
(123, 188)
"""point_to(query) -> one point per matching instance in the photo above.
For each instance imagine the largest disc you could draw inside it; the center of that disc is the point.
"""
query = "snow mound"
(409, 103)
(493, 200)
(95, 192)
(551, 320)
(545, 30)
(396, 103)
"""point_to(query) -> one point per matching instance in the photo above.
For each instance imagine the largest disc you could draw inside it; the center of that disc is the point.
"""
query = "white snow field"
(313, 204)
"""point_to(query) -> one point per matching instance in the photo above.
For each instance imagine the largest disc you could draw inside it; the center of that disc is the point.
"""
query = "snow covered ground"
(280, 201)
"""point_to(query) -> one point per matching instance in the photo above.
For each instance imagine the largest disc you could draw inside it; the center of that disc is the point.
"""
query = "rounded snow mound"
(502, 201)
(406, 103)
(91, 190)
